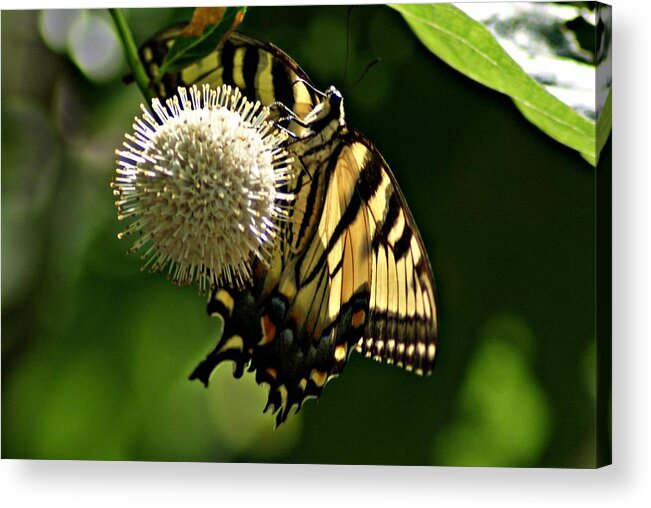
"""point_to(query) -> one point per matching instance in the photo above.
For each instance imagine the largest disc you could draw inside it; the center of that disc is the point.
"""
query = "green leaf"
(470, 48)
(188, 49)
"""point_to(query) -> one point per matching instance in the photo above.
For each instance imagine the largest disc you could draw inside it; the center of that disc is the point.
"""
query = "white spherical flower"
(202, 182)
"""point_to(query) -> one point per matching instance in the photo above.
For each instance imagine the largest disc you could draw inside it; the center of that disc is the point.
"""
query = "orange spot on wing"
(259, 270)
(358, 318)
(268, 330)
(272, 372)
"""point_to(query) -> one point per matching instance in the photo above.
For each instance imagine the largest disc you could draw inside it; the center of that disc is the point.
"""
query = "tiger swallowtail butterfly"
(351, 271)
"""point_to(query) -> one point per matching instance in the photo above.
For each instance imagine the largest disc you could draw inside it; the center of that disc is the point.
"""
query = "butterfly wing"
(262, 71)
(367, 245)
(402, 323)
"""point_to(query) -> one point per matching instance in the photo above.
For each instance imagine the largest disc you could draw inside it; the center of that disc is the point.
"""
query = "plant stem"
(131, 53)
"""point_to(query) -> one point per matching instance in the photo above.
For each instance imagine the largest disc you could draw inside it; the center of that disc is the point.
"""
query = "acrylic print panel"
(493, 257)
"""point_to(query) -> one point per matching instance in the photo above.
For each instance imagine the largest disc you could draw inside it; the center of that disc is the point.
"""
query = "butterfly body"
(351, 271)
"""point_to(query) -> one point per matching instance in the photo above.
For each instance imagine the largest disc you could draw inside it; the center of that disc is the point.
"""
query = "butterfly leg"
(287, 131)
(281, 108)
(289, 114)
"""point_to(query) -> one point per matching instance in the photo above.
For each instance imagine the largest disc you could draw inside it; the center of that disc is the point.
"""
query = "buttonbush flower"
(201, 180)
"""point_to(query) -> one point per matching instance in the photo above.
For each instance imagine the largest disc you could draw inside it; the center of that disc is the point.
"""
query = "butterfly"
(351, 273)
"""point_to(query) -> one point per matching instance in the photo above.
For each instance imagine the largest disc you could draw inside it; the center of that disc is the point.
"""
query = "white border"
(72, 484)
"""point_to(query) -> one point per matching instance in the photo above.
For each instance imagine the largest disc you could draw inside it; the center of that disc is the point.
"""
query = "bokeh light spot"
(503, 416)
(94, 47)
(236, 410)
(54, 26)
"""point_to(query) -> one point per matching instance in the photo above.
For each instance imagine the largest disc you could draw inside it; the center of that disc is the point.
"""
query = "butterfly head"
(328, 114)
(335, 104)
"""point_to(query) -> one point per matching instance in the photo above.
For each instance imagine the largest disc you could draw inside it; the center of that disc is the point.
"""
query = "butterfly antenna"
(373, 62)
(343, 81)
(310, 86)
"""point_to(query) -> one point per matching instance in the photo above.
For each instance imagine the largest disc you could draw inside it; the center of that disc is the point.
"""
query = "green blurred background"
(96, 354)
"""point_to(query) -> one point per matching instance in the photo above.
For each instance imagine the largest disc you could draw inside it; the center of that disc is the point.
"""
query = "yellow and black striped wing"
(368, 247)
(401, 327)
(259, 69)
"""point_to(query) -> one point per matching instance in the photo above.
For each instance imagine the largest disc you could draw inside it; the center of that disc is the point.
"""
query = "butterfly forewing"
(402, 325)
(260, 70)
(351, 272)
